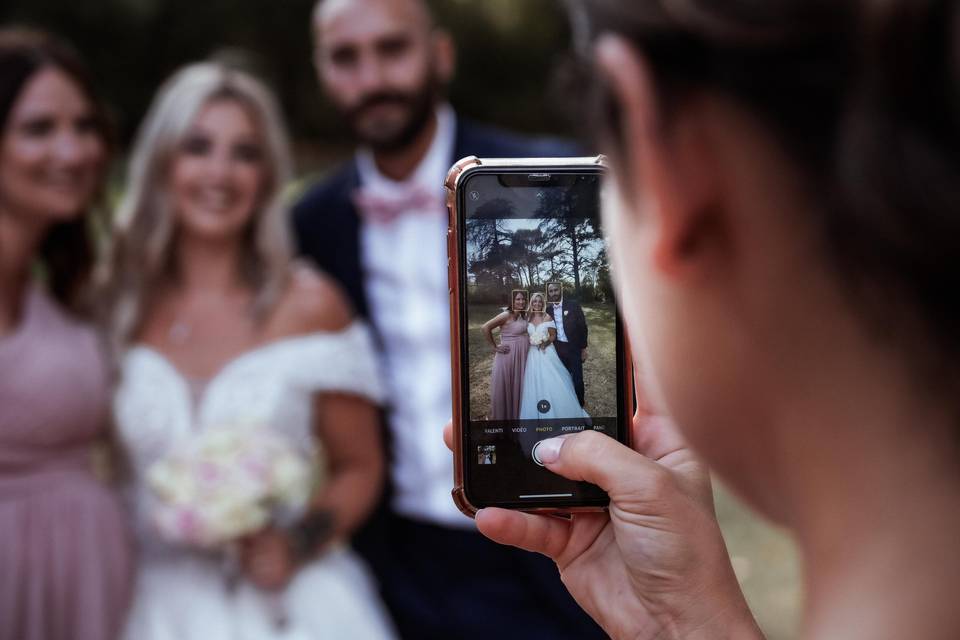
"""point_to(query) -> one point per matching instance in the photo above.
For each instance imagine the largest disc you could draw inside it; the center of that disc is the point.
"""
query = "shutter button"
(536, 457)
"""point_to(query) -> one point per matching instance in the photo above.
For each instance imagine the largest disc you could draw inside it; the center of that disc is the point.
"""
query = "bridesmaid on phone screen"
(510, 356)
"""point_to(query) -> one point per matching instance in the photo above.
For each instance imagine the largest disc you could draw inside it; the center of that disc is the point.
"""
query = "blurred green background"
(509, 51)
(512, 58)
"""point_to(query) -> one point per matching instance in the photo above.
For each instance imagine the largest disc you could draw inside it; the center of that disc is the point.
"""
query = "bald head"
(415, 13)
(383, 64)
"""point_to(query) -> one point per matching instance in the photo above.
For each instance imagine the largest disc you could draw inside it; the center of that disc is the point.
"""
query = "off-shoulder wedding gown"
(548, 391)
(187, 594)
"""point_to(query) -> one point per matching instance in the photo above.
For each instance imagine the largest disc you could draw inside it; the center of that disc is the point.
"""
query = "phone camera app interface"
(541, 329)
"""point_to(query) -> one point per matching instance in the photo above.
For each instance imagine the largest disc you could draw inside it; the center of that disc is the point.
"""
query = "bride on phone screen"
(548, 390)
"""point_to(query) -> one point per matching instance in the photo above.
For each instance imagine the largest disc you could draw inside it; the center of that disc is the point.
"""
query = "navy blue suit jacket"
(574, 323)
(326, 223)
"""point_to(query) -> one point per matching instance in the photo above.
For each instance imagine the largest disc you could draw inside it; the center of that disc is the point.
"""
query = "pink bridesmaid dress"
(65, 557)
(506, 380)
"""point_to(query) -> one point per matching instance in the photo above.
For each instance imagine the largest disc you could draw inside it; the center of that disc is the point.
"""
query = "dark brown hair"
(67, 252)
(864, 96)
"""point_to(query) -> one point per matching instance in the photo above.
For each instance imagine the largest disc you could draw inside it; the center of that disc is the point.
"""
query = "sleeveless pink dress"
(65, 557)
(506, 378)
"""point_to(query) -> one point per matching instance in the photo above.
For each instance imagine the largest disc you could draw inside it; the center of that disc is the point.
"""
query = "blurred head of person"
(54, 147)
(384, 65)
(784, 216)
(208, 167)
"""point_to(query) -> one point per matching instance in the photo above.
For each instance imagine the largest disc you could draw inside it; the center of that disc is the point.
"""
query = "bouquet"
(229, 482)
(537, 338)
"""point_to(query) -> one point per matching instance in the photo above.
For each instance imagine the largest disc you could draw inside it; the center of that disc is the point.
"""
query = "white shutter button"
(536, 458)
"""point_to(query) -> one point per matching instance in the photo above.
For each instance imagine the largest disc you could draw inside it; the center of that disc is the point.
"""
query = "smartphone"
(538, 349)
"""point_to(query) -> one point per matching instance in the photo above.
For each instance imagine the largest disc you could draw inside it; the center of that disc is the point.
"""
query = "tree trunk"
(575, 251)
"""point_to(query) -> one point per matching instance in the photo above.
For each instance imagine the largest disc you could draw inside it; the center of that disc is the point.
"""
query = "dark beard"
(419, 105)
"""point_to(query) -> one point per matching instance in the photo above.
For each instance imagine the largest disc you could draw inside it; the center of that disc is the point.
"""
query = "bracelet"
(314, 529)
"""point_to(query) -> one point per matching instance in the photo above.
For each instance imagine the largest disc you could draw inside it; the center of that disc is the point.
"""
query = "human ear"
(664, 168)
(444, 55)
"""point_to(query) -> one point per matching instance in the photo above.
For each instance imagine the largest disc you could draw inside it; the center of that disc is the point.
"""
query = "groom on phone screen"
(378, 224)
(571, 334)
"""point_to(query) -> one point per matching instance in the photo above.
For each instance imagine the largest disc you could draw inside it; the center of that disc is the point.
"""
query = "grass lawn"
(599, 371)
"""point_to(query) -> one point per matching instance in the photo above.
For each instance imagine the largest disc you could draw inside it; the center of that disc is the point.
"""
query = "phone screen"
(540, 335)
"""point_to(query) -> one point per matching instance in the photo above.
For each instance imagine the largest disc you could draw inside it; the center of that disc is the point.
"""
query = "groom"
(571, 334)
(378, 224)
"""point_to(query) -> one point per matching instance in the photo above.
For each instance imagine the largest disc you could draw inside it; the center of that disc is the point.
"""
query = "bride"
(548, 390)
(216, 328)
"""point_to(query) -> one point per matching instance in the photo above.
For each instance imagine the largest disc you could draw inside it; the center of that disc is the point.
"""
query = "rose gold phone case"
(453, 274)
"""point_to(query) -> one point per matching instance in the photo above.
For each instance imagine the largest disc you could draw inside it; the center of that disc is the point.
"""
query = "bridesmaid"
(65, 565)
(509, 358)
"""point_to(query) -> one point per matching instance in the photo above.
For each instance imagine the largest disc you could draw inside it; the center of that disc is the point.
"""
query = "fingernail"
(549, 450)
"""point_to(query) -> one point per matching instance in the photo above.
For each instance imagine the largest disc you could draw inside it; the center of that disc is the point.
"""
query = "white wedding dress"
(187, 594)
(546, 379)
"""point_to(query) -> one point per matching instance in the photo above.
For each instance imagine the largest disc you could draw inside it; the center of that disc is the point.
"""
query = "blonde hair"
(142, 255)
(543, 299)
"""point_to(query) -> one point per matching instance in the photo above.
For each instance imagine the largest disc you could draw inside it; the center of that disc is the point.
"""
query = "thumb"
(601, 460)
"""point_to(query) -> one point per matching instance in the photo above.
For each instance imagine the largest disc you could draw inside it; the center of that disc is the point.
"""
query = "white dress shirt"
(558, 318)
(405, 271)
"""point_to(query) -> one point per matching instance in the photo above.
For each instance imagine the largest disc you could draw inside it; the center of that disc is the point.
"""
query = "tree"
(573, 236)
(488, 245)
(603, 284)
(528, 249)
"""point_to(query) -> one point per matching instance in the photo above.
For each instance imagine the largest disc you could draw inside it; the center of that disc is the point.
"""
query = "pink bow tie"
(379, 209)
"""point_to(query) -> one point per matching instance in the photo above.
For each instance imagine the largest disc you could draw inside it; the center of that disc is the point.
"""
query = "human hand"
(268, 559)
(653, 566)
(502, 348)
(584, 354)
